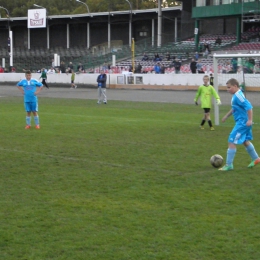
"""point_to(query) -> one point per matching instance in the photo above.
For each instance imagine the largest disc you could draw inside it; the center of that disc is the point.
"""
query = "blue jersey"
(240, 106)
(29, 88)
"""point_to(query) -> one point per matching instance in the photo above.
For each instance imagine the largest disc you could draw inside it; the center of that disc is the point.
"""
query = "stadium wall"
(119, 81)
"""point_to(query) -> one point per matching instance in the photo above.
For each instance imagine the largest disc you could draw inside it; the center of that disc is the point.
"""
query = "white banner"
(36, 18)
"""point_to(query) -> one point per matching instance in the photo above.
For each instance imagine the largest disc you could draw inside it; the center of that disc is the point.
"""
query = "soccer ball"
(216, 160)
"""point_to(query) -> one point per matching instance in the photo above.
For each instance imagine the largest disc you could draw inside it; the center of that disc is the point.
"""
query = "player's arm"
(230, 112)
(250, 117)
(216, 96)
(104, 79)
(39, 88)
(21, 89)
(197, 96)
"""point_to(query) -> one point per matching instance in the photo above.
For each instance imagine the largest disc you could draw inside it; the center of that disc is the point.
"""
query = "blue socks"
(251, 151)
(230, 156)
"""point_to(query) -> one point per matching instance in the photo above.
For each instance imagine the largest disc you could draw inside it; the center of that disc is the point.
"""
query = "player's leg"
(231, 152)
(203, 119)
(209, 120)
(35, 114)
(104, 95)
(233, 139)
(27, 107)
(45, 83)
(99, 94)
(252, 153)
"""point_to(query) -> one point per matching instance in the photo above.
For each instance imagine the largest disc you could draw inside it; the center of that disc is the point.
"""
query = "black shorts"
(206, 110)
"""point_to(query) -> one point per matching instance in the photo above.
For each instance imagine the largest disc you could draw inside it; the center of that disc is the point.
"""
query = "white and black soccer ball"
(216, 160)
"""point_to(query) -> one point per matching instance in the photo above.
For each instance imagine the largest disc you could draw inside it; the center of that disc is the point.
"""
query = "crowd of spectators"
(158, 64)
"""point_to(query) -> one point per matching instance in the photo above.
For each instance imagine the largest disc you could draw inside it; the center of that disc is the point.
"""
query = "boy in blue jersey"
(242, 112)
(30, 88)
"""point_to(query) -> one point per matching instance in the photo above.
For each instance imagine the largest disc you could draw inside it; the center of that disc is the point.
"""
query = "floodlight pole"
(109, 31)
(10, 37)
(88, 34)
(83, 4)
(47, 25)
(159, 37)
(130, 22)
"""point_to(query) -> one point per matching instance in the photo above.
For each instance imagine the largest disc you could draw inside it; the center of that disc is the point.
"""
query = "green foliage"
(18, 8)
(126, 180)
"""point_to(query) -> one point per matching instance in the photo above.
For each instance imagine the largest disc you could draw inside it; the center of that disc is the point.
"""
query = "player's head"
(232, 86)
(28, 74)
(206, 80)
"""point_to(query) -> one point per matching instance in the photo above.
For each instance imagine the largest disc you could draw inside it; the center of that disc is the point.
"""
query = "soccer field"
(126, 180)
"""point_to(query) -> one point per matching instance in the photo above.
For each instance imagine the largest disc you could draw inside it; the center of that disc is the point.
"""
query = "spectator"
(218, 41)
(211, 79)
(101, 80)
(2, 69)
(53, 63)
(51, 71)
(168, 56)
(145, 57)
(199, 67)
(104, 67)
(193, 66)
(138, 68)
(157, 57)
(157, 68)
(249, 66)
(196, 56)
(62, 67)
(70, 67)
(206, 54)
(234, 65)
(57, 70)
(80, 68)
(177, 66)
(206, 46)
(256, 69)
(162, 69)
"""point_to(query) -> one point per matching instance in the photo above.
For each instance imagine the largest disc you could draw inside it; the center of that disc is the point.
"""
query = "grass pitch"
(124, 181)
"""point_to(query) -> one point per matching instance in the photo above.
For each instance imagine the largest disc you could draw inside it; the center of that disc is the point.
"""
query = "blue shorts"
(31, 106)
(240, 134)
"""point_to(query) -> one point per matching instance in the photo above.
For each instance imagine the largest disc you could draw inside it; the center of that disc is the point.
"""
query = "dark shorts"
(206, 110)
(72, 81)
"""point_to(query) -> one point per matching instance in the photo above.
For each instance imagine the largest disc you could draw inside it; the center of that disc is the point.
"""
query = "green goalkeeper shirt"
(205, 93)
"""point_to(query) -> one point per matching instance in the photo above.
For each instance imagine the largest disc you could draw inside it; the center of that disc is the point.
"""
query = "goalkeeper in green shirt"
(205, 92)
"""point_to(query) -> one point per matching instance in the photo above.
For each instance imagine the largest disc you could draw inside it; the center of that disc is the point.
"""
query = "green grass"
(123, 181)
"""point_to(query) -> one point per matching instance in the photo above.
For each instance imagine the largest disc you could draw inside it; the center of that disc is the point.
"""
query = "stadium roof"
(112, 13)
